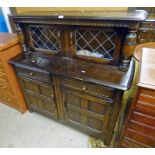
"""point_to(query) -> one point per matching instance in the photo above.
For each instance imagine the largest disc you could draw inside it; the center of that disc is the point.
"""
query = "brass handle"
(3, 87)
(84, 88)
(6, 98)
(31, 73)
(83, 71)
(52, 96)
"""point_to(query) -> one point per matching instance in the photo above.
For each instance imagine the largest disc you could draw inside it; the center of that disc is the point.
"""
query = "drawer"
(3, 77)
(149, 100)
(148, 92)
(148, 25)
(89, 88)
(1, 67)
(8, 99)
(33, 75)
(143, 118)
(5, 87)
(145, 140)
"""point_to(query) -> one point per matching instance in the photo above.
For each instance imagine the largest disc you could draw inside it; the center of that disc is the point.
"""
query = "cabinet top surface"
(7, 40)
(147, 69)
(106, 75)
(137, 15)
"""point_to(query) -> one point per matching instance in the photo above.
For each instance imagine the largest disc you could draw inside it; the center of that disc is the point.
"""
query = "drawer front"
(5, 87)
(143, 118)
(89, 88)
(145, 140)
(3, 77)
(148, 25)
(148, 92)
(1, 67)
(6, 98)
(33, 75)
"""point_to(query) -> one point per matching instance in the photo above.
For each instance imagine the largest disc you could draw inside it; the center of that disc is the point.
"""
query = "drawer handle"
(84, 88)
(7, 99)
(31, 73)
(52, 96)
(3, 87)
(83, 71)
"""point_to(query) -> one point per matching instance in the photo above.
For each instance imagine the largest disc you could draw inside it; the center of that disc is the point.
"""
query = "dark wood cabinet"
(76, 68)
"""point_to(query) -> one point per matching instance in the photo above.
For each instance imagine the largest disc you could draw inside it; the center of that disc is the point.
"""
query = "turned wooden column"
(128, 48)
(21, 37)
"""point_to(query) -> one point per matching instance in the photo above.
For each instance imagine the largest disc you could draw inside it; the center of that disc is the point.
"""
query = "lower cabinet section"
(85, 106)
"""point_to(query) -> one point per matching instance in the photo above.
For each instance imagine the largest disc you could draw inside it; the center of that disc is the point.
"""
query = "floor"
(36, 131)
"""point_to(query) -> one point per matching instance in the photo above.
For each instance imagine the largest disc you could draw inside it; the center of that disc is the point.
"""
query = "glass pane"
(95, 43)
(44, 37)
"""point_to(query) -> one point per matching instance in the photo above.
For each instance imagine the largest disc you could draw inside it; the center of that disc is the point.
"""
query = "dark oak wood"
(139, 128)
(82, 91)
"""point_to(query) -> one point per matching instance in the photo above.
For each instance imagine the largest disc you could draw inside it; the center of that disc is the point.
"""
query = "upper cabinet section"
(104, 37)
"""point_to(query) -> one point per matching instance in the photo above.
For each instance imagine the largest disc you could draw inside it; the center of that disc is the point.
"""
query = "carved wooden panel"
(87, 112)
(39, 96)
(89, 88)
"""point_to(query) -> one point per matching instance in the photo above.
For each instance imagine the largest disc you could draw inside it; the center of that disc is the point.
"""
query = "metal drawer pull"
(52, 96)
(84, 88)
(7, 99)
(31, 73)
(83, 71)
(3, 87)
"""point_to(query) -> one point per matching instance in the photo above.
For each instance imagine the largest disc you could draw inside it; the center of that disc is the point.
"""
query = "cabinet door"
(86, 112)
(40, 97)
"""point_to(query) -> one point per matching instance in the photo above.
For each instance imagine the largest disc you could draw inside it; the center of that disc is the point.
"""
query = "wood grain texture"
(139, 128)
(10, 92)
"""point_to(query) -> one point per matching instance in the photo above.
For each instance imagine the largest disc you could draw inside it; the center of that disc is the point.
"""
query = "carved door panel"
(39, 96)
(86, 112)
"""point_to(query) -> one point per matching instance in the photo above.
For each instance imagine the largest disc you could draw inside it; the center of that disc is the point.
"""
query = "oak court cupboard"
(75, 66)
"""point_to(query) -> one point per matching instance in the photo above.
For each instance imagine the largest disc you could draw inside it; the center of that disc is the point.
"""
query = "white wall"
(6, 11)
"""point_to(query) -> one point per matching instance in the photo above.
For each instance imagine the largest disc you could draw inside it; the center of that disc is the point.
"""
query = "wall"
(3, 27)
(27, 9)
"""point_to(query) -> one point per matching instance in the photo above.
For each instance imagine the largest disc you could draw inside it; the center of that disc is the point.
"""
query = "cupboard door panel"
(39, 96)
(38, 87)
(88, 112)
(45, 106)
